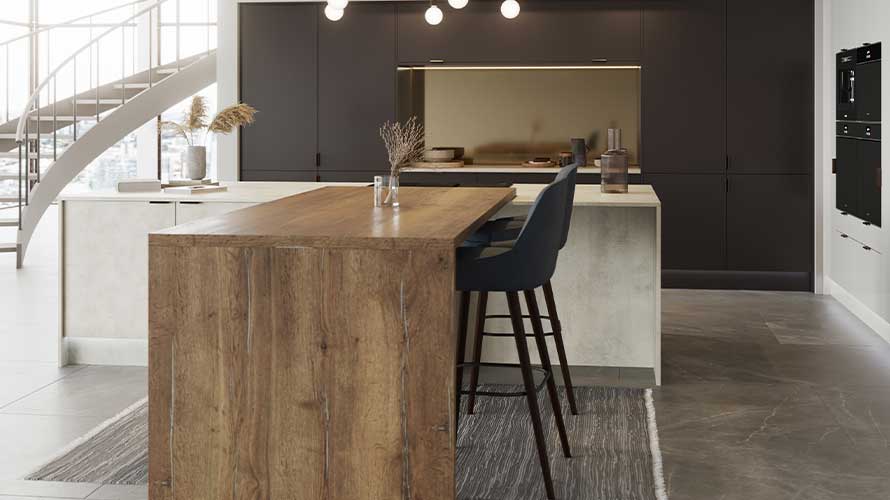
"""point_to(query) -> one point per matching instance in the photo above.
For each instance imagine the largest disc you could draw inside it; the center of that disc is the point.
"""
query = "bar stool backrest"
(570, 174)
(537, 247)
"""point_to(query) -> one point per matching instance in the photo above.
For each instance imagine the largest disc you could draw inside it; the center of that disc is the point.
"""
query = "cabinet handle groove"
(844, 235)
(157, 202)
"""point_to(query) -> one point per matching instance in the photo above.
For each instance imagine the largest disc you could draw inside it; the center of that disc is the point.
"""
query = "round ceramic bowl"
(438, 155)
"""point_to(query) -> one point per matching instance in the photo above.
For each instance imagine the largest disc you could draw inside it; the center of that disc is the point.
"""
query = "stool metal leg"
(463, 319)
(527, 379)
(560, 346)
(477, 351)
(541, 342)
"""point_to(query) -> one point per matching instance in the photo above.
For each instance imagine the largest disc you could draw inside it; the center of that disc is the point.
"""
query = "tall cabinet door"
(278, 76)
(770, 223)
(683, 81)
(356, 90)
(770, 96)
(693, 215)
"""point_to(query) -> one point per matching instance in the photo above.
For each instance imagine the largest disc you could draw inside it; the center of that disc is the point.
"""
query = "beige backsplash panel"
(511, 115)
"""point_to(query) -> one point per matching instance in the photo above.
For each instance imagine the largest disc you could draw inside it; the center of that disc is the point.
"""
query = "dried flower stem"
(404, 143)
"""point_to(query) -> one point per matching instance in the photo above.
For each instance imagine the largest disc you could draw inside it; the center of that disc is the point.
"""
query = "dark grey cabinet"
(769, 223)
(693, 212)
(769, 59)
(278, 61)
(356, 90)
(544, 32)
(683, 87)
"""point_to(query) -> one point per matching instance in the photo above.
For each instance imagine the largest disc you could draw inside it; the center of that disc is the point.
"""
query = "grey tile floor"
(765, 396)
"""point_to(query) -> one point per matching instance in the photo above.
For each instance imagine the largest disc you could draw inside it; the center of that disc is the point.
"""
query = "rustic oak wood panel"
(328, 372)
(344, 217)
(313, 353)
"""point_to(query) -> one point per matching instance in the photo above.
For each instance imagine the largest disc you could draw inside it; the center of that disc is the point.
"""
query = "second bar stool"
(522, 267)
(502, 232)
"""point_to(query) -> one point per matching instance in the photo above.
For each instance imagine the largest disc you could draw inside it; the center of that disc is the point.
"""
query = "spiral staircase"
(95, 113)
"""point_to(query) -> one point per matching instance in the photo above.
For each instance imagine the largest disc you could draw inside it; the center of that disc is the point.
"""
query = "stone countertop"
(639, 195)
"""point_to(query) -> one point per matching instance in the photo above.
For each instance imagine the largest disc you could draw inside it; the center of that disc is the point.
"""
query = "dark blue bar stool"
(521, 267)
(503, 232)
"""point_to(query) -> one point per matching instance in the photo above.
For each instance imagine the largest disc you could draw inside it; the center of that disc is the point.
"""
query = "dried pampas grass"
(231, 117)
(195, 120)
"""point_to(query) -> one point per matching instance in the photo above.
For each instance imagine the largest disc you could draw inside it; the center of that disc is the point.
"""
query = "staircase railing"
(32, 39)
(43, 103)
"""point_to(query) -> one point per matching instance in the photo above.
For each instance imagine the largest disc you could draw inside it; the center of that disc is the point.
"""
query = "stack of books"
(139, 186)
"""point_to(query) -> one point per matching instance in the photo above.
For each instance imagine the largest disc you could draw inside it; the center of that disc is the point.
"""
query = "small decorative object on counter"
(579, 152)
(614, 165)
(565, 158)
(404, 146)
(194, 122)
(386, 191)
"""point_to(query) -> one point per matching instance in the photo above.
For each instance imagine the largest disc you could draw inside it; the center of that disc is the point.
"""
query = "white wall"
(862, 285)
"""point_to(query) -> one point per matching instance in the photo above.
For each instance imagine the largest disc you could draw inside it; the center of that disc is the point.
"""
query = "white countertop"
(508, 169)
(261, 192)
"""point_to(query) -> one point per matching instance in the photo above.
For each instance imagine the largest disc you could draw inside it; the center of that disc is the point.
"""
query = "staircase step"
(168, 71)
(131, 85)
(10, 199)
(10, 135)
(112, 101)
(4, 222)
(7, 247)
(15, 155)
(58, 118)
(15, 177)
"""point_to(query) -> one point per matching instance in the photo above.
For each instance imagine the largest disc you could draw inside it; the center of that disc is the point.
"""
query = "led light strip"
(492, 68)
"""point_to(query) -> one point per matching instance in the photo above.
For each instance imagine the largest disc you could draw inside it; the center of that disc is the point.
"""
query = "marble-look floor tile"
(832, 366)
(21, 379)
(90, 392)
(47, 488)
(119, 492)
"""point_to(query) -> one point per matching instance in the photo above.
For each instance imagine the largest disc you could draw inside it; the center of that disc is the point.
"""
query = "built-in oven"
(846, 85)
(859, 84)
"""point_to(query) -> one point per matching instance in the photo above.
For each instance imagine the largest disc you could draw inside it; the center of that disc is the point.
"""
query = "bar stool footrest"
(517, 394)
(510, 334)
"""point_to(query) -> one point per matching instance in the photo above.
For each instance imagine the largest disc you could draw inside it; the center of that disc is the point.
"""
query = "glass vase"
(386, 191)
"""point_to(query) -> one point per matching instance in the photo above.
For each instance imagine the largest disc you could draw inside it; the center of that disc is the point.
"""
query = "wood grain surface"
(308, 372)
(345, 217)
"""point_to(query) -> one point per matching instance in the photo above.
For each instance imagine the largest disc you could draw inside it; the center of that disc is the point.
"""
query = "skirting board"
(105, 351)
(860, 310)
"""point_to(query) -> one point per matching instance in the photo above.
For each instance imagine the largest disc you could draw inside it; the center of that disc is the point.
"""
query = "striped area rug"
(614, 446)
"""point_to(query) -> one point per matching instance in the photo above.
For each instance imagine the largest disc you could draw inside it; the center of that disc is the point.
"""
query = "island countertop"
(344, 217)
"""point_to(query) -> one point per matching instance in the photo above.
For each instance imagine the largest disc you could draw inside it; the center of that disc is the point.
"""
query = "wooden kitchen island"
(305, 347)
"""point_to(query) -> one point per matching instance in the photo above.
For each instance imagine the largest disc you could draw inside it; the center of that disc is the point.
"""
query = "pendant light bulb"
(332, 13)
(433, 15)
(338, 4)
(510, 9)
(458, 4)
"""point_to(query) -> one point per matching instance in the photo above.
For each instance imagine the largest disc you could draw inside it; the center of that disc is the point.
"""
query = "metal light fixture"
(510, 9)
(333, 13)
(458, 4)
(338, 4)
(433, 15)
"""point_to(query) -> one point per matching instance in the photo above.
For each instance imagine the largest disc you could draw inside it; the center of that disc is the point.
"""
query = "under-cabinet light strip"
(449, 68)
